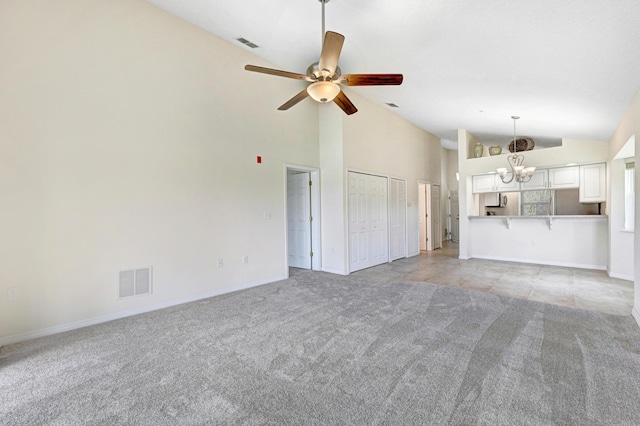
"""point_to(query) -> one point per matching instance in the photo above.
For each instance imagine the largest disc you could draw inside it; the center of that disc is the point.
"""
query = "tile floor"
(577, 288)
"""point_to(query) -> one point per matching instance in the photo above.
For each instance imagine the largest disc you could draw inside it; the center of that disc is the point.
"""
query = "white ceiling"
(569, 68)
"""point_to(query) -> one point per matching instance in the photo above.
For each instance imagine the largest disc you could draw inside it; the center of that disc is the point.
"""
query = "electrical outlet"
(267, 216)
(220, 263)
(245, 259)
(13, 293)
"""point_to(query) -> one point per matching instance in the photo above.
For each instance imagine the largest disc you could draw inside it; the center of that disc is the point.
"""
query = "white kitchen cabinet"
(564, 177)
(593, 180)
(484, 183)
(539, 180)
(506, 187)
(493, 183)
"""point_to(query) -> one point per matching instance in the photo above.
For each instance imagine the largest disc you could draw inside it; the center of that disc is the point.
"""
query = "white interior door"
(436, 217)
(454, 209)
(378, 214)
(358, 222)
(397, 219)
(368, 224)
(422, 208)
(299, 220)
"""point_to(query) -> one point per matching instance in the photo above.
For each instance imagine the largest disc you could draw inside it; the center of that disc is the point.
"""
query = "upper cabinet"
(484, 183)
(564, 177)
(493, 183)
(506, 187)
(556, 178)
(593, 188)
(539, 180)
(590, 178)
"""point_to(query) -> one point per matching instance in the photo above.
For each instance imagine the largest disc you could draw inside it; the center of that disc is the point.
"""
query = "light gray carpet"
(321, 349)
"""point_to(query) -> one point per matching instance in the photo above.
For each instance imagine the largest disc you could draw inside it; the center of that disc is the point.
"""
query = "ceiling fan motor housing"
(316, 73)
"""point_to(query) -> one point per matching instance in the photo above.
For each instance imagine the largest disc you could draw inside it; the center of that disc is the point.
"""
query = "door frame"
(436, 234)
(452, 213)
(316, 243)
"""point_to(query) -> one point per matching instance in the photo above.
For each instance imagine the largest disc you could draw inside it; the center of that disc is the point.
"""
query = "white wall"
(621, 247)
(333, 182)
(449, 169)
(452, 169)
(129, 138)
(444, 193)
(378, 141)
(573, 242)
(375, 141)
(628, 127)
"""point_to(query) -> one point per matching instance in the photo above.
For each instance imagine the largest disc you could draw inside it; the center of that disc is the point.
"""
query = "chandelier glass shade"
(323, 91)
(517, 169)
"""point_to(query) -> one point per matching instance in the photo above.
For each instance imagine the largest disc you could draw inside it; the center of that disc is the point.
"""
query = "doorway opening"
(430, 217)
(303, 218)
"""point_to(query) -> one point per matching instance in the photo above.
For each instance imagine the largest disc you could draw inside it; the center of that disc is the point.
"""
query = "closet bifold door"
(368, 224)
(397, 219)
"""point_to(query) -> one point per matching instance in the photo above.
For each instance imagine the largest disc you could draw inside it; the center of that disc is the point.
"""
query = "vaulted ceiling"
(568, 68)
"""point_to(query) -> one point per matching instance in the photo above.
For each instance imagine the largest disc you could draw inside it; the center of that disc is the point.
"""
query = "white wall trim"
(542, 262)
(21, 337)
(414, 253)
(334, 271)
(636, 315)
(621, 276)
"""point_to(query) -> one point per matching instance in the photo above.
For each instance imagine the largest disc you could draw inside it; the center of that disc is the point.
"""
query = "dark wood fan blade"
(291, 102)
(371, 79)
(279, 73)
(345, 104)
(331, 49)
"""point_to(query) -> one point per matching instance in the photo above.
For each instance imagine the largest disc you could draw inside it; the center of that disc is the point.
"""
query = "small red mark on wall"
(259, 159)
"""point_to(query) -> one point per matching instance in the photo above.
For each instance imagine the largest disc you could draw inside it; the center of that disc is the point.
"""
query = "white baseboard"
(334, 271)
(21, 337)
(621, 276)
(542, 262)
(636, 315)
(416, 253)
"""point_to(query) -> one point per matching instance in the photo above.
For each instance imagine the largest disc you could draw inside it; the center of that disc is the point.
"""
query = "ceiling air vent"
(247, 42)
(392, 105)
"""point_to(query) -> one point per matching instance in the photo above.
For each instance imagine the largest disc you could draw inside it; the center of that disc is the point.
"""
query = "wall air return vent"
(134, 282)
(247, 42)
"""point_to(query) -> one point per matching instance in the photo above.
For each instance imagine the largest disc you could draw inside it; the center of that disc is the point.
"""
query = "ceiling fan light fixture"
(323, 91)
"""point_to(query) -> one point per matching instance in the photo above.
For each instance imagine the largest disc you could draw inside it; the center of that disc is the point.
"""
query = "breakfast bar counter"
(575, 241)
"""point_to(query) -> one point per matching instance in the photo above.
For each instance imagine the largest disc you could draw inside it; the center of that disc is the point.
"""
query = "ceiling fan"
(325, 75)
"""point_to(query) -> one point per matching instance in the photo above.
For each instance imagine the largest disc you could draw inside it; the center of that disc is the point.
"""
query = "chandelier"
(518, 170)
